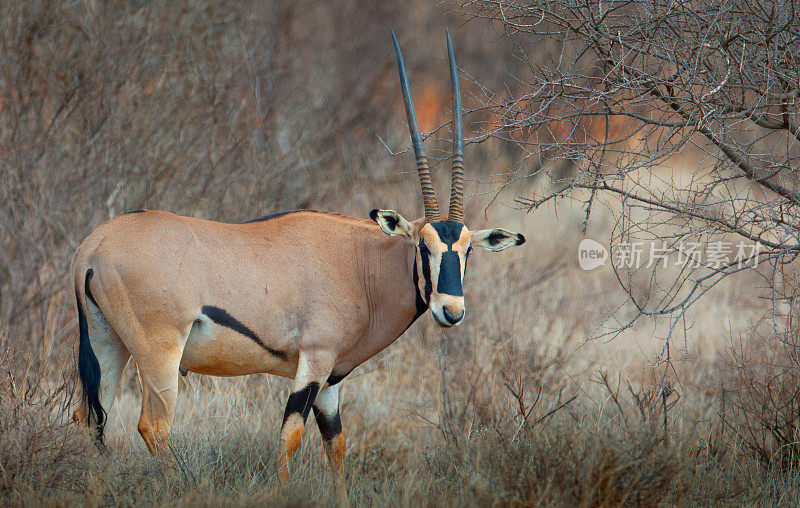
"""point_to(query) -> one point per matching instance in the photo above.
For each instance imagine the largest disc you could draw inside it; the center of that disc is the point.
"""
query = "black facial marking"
(134, 211)
(424, 255)
(222, 318)
(520, 239)
(374, 215)
(300, 402)
(419, 302)
(330, 426)
(336, 378)
(449, 282)
(448, 231)
(450, 274)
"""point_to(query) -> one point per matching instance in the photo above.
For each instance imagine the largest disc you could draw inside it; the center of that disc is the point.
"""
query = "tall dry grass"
(232, 111)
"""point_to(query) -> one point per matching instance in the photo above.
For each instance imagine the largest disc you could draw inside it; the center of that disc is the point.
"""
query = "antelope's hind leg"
(326, 412)
(158, 360)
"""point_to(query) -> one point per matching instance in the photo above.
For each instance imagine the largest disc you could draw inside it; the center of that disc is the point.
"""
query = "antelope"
(306, 295)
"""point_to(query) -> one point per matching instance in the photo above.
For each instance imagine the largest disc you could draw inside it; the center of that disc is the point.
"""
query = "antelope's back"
(293, 267)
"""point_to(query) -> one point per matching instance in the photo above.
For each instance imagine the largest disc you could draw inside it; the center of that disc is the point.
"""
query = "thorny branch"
(617, 89)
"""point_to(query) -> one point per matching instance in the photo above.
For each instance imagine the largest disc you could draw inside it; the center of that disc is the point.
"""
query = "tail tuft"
(89, 367)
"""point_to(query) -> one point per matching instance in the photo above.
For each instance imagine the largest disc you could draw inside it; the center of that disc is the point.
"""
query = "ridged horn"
(428, 193)
(456, 212)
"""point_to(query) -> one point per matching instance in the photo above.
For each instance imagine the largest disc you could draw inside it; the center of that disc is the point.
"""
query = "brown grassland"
(228, 112)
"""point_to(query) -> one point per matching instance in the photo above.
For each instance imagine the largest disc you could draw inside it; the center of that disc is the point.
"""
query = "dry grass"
(478, 415)
(231, 112)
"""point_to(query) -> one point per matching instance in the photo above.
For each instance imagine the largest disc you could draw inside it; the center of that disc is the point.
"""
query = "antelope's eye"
(423, 247)
(469, 249)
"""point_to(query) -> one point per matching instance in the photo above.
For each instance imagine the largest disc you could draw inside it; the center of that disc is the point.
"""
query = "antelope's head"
(443, 243)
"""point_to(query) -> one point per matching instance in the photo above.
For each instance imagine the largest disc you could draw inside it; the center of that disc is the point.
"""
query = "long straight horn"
(456, 212)
(428, 194)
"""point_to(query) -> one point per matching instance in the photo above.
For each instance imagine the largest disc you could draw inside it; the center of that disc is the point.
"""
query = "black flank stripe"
(222, 318)
(300, 402)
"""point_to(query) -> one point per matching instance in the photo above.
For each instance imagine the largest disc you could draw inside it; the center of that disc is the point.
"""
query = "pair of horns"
(432, 213)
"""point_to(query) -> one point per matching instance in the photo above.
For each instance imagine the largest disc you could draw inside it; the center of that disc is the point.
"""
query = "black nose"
(452, 318)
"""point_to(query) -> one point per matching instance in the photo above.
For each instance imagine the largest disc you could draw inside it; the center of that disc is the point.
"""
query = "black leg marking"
(329, 426)
(222, 318)
(334, 379)
(300, 402)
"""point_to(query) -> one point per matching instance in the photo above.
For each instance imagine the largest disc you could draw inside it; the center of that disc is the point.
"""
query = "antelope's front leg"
(326, 412)
(311, 375)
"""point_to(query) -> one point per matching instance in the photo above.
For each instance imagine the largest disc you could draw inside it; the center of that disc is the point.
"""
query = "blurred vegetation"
(228, 111)
(203, 108)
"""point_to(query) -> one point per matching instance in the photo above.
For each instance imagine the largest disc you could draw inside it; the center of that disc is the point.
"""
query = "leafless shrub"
(40, 451)
(228, 111)
(108, 109)
(623, 90)
(760, 401)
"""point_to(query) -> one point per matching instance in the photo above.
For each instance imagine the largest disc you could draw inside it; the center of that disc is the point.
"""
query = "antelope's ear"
(496, 239)
(392, 223)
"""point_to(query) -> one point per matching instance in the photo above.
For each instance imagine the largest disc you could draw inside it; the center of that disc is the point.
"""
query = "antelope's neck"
(394, 300)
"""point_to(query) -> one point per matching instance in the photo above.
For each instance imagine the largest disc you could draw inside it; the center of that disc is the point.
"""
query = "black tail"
(88, 366)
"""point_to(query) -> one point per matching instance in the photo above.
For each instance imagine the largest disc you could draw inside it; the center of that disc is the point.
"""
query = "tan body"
(322, 291)
(298, 281)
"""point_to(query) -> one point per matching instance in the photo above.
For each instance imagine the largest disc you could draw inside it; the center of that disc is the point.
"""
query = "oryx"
(306, 295)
